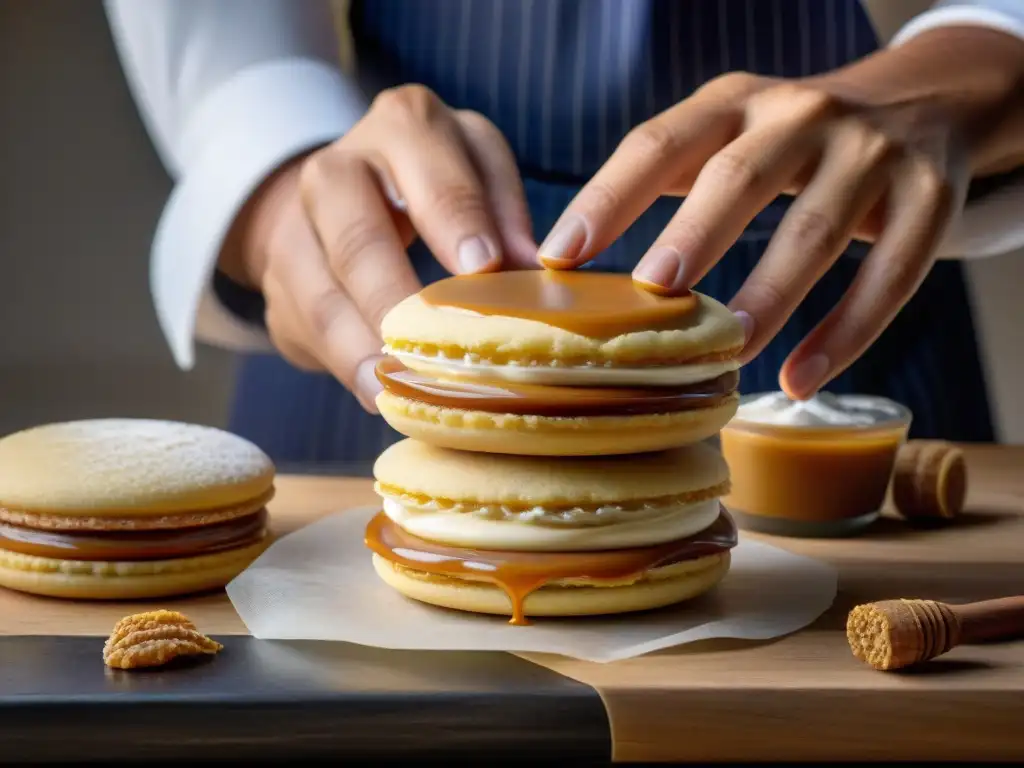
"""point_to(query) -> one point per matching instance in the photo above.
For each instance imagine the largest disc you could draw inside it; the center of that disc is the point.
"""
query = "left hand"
(867, 161)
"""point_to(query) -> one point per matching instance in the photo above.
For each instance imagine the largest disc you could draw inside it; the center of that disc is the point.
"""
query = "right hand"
(325, 239)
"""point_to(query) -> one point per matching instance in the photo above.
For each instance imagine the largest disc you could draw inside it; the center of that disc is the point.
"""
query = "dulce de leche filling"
(547, 400)
(134, 545)
(518, 574)
(789, 475)
(594, 304)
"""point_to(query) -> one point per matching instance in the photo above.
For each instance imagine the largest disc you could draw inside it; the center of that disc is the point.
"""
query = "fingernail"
(476, 255)
(564, 244)
(804, 378)
(366, 383)
(747, 322)
(661, 270)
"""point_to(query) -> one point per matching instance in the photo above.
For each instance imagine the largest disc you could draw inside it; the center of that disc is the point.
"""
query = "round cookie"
(124, 580)
(531, 536)
(533, 435)
(658, 589)
(129, 508)
(492, 352)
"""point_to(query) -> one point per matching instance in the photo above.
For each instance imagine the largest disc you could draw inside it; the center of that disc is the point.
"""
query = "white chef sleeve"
(993, 224)
(228, 90)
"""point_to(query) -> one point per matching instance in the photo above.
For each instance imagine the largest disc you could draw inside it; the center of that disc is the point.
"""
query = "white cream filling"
(463, 529)
(562, 516)
(823, 409)
(566, 375)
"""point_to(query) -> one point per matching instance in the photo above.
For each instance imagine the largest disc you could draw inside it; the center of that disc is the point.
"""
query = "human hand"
(881, 151)
(325, 239)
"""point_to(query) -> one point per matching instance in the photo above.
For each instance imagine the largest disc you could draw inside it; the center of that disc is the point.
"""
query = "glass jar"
(796, 473)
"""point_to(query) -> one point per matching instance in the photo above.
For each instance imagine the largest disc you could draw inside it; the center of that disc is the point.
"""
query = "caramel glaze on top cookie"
(558, 363)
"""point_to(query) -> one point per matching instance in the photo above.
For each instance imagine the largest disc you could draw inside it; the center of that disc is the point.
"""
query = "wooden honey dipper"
(892, 634)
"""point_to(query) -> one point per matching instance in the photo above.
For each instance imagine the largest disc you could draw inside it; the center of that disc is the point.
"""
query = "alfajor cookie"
(531, 536)
(129, 508)
(558, 364)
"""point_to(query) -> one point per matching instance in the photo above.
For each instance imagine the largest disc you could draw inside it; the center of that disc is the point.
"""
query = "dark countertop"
(268, 700)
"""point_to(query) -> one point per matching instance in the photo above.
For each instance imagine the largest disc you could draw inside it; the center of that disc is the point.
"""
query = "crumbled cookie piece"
(153, 639)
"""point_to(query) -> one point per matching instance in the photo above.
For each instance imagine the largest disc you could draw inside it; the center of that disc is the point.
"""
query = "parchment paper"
(319, 584)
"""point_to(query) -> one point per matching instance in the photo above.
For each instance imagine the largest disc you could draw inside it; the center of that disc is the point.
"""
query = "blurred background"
(80, 192)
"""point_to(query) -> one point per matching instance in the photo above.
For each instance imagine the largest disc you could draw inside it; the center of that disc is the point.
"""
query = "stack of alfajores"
(556, 463)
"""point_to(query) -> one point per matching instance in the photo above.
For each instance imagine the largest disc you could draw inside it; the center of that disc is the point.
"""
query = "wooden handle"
(898, 633)
(990, 620)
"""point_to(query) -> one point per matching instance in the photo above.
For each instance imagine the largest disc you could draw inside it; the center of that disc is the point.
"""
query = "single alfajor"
(558, 363)
(531, 536)
(129, 508)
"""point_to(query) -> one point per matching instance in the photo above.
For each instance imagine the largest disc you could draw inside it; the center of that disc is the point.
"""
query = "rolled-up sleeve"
(993, 223)
(228, 90)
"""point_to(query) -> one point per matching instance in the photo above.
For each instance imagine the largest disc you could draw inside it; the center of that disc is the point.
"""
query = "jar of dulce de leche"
(819, 467)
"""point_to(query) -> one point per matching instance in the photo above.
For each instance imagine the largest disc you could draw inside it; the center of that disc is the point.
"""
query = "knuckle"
(766, 295)
(816, 103)
(733, 83)
(321, 171)
(474, 121)
(790, 101)
(650, 141)
(313, 173)
(487, 138)
(820, 102)
(411, 104)
(733, 170)
(456, 201)
(811, 231)
(362, 235)
(933, 185)
(867, 143)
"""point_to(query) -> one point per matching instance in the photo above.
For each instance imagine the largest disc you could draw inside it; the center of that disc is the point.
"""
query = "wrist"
(969, 78)
(243, 255)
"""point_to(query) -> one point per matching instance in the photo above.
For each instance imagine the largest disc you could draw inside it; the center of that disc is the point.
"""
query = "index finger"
(654, 158)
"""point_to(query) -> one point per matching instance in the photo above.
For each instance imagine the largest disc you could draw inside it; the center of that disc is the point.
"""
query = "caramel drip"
(598, 305)
(518, 574)
(137, 545)
(540, 400)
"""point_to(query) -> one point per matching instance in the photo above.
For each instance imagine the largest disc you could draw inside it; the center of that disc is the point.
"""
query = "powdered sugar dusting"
(123, 463)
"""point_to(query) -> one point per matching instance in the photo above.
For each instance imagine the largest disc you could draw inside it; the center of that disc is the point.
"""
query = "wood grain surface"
(803, 697)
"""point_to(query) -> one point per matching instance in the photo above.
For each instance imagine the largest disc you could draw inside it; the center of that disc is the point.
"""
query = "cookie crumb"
(155, 638)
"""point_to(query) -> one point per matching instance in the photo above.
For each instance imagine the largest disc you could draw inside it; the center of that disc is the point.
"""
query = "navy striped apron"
(565, 80)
